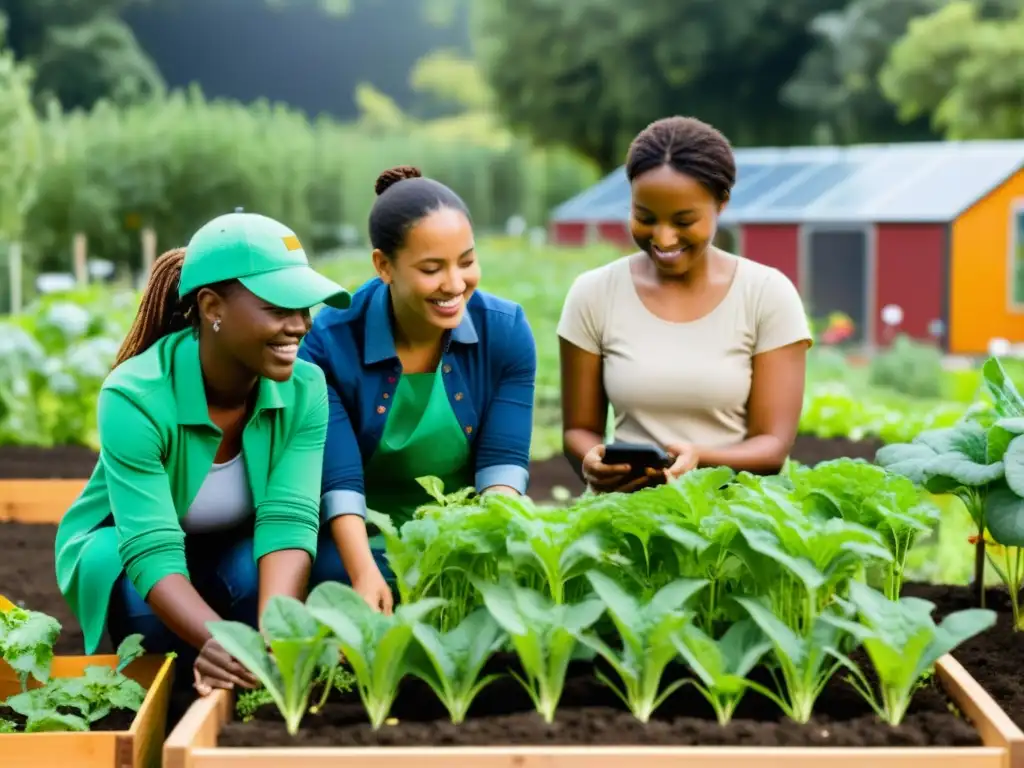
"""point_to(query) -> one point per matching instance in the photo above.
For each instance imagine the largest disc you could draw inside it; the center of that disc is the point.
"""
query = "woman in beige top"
(699, 351)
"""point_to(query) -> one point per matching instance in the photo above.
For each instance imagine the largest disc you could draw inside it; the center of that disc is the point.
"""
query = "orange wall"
(979, 295)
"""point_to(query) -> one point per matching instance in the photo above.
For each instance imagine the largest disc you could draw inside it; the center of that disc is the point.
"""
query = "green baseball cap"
(264, 256)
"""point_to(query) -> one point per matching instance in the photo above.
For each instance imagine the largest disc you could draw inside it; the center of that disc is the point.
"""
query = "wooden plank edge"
(993, 723)
(142, 747)
(193, 744)
(198, 728)
(37, 501)
(595, 757)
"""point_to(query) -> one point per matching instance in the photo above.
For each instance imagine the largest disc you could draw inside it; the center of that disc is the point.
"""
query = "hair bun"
(395, 175)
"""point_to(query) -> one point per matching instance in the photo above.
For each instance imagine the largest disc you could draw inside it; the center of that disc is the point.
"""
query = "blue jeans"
(328, 565)
(224, 572)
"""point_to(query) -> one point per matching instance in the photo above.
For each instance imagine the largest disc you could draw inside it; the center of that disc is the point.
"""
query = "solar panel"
(747, 193)
(874, 180)
(812, 187)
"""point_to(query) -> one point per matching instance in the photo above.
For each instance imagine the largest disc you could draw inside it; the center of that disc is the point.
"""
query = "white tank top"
(224, 501)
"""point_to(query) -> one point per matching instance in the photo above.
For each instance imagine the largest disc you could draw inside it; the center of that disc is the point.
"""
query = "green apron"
(422, 437)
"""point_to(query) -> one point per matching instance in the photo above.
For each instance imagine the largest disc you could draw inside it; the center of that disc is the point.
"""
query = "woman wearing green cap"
(205, 499)
(426, 374)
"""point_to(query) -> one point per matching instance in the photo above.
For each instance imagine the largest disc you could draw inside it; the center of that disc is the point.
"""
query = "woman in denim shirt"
(426, 375)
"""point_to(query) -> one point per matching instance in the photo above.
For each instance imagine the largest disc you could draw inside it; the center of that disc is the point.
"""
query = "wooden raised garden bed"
(37, 501)
(194, 744)
(137, 747)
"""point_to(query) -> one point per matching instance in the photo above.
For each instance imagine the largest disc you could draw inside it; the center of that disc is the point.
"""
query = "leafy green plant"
(544, 635)
(647, 631)
(722, 666)
(26, 643)
(451, 663)
(957, 461)
(806, 662)
(375, 645)
(868, 495)
(903, 642)
(298, 644)
(983, 465)
(93, 695)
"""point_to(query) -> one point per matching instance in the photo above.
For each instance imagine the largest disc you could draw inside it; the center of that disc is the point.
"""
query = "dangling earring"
(216, 325)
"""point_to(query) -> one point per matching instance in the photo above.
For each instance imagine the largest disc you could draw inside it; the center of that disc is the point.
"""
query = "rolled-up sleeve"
(289, 515)
(151, 542)
(506, 429)
(342, 488)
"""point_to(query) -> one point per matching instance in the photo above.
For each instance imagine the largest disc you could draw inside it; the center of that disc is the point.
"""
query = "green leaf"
(433, 486)
(286, 618)
(963, 469)
(1013, 464)
(26, 642)
(1008, 401)
(906, 459)
(49, 722)
(1001, 434)
(785, 641)
(128, 651)
(249, 647)
(1004, 516)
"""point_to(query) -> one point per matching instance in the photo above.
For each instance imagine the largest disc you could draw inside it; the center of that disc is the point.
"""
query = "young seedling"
(299, 646)
(903, 643)
(451, 663)
(723, 665)
(375, 645)
(806, 662)
(543, 634)
(647, 631)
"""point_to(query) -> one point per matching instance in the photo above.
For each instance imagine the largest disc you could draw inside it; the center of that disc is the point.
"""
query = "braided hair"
(160, 311)
(404, 197)
(689, 146)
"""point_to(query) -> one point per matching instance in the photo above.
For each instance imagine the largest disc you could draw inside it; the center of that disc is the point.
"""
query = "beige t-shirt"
(681, 382)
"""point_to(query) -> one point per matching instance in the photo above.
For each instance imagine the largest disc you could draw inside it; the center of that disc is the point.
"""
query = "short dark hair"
(691, 147)
(403, 198)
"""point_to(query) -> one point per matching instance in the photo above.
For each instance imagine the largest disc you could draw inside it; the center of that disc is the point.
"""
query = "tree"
(964, 69)
(837, 81)
(20, 151)
(80, 49)
(591, 73)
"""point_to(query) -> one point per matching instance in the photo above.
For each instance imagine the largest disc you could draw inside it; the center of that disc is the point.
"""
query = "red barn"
(936, 228)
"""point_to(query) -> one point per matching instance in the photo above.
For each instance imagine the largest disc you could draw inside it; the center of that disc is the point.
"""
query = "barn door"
(837, 266)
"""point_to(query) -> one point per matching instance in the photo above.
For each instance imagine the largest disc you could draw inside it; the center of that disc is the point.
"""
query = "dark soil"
(590, 714)
(27, 578)
(117, 720)
(63, 462)
(994, 658)
(74, 462)
(810, 450)
(77, 462)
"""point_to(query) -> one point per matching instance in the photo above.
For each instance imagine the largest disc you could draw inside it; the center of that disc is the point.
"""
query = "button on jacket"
(157, 447)
(489, 362)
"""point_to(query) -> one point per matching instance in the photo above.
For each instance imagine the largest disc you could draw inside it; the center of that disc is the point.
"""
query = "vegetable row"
(722, 573)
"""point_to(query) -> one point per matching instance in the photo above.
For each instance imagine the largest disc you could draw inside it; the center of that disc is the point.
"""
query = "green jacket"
(157, 445)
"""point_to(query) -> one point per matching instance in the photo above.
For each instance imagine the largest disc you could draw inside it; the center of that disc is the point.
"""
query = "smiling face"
(259, 337)
(674, 219)
(434, 273)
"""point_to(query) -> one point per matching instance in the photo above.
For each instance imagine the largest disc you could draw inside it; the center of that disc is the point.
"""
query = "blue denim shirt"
(489, 363)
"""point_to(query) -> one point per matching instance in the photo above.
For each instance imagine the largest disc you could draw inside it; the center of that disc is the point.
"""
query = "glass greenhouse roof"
(918, 182)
